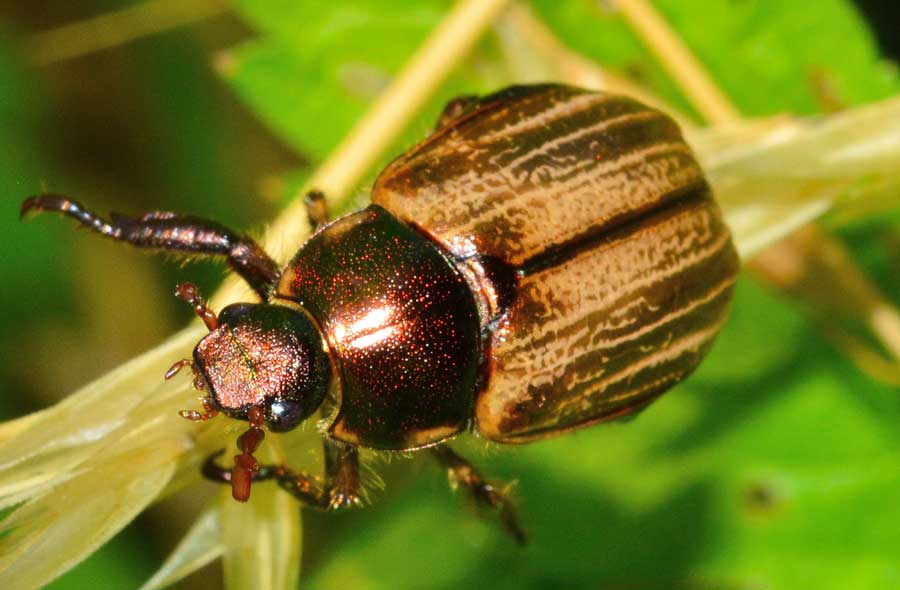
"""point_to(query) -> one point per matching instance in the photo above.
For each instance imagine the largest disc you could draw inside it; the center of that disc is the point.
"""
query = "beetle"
(547, 259)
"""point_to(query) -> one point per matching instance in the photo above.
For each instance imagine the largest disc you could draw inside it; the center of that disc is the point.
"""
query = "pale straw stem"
(678, 60)
(118, 27)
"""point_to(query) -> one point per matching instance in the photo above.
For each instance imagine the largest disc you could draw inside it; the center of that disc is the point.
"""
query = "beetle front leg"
(308, 489)
(171, 232)
(339, 490)
(460, 471)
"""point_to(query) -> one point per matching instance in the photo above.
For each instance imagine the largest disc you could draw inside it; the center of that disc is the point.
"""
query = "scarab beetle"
(549, 258)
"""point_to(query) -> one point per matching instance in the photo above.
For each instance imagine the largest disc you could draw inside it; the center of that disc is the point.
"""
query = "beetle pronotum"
(549, 258)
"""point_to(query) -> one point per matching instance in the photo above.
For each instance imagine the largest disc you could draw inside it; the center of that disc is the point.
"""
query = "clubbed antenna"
(245, 464)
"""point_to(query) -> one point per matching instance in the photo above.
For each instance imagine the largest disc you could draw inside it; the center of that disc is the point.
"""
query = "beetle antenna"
(245, 464)
(190, 293)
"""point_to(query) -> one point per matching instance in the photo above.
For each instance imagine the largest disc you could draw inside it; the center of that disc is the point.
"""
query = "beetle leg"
(342, 474)
(183, 234)
(316, 209)
(341, 486)
(308, 490)
(339, 490)
(460, 471)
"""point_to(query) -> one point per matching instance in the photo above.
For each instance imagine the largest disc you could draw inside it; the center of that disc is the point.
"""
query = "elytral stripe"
(476, 143)
(565, 316)
(558, 181)
(604, 278)
(589, 402)
(572, 205)
(583, 337)
(476, 146)
(604, 140)
(561, 361)
(600, 203)
(490, 125)
(585, 414)
(691, 343)
(559, 109)
(565, 142)
(564, 374)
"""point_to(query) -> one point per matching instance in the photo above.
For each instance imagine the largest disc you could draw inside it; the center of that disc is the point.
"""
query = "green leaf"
(317, 68)
(767, 56)
(30, 264)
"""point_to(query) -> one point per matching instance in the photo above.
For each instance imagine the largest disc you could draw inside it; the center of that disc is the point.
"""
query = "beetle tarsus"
(461, 472)
(181, 234)
(307, 488)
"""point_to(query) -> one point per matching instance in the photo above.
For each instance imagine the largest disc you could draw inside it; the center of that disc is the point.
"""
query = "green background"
(776, 466)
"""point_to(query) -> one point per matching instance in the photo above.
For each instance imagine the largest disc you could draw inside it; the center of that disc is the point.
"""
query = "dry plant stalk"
(118, 27)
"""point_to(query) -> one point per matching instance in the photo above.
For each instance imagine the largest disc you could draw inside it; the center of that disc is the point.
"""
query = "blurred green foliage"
(776, 466)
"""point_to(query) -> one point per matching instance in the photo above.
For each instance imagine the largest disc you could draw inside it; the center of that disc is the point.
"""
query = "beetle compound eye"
(232, 314)
(284, 415)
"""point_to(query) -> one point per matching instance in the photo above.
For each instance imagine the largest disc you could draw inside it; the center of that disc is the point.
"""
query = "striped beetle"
(549, 258)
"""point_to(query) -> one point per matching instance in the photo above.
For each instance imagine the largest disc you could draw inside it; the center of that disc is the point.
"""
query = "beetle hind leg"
(461, 472)
(181, 234)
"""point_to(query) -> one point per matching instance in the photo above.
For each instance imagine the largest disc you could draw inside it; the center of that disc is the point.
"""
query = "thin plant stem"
(570, 66)
(679, 61)
(118, 27)
(443, 50)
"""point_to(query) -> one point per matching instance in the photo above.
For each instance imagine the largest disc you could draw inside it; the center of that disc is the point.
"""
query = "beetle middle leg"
(182, 234)
(316, 209)
(461, 472)
(340, 489)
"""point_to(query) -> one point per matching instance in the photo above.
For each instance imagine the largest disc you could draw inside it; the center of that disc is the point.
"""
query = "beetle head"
(269, 357)
(263, 363)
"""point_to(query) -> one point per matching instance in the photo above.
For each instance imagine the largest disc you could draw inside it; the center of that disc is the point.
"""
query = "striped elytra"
(622, 268)
(547, 259)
